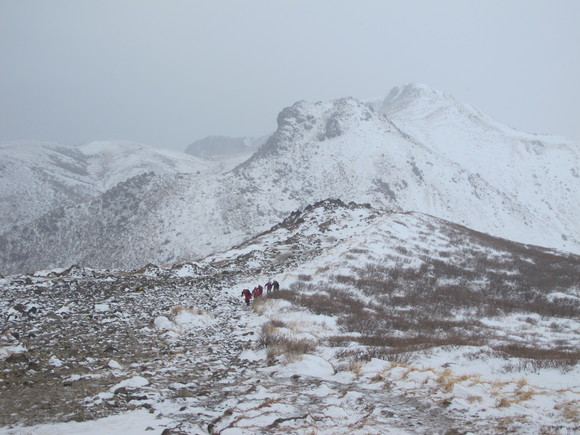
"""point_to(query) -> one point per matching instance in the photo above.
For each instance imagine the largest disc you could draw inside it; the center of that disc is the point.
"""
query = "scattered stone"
(16, 358)
(185, 392)
(121, 391)
(20, 308)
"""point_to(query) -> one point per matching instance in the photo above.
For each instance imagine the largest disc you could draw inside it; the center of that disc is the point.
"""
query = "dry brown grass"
(503, 402)
(447, 380)
(178, 309)
(279, 344)
(417, 300)
(473, 399)
(570, 410)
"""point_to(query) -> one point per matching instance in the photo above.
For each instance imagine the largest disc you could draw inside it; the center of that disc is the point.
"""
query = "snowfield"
(385, 323)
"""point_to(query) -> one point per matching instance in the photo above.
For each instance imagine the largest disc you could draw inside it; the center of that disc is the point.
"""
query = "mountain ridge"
(385, 320)
(344, 149)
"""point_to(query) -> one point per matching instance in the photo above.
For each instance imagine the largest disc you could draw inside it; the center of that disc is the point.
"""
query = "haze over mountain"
(223, 145)
(416, 150)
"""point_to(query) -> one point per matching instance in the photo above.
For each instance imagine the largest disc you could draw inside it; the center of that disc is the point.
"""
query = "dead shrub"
(289, 347)
(278, 344)
(446, 380)
(570, 410)
(532, 358)
(278, 323)
(504, 402)
(339, 340)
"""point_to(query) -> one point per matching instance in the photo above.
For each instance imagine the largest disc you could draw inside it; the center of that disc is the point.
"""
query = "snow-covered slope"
(344, 149)
(36, 178)
(347, 149)
(385, 323)
(541, 172)
(117, 161)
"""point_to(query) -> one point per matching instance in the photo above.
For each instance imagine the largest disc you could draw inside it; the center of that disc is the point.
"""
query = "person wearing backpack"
(247, 296)
(268, 286)
(276, 286)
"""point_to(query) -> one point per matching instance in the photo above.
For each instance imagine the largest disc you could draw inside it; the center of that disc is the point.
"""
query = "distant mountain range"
(36, 178)
(125, 205)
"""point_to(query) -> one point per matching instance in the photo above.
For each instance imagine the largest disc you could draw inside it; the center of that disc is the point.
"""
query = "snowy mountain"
(527, 167)
(386, 322)
(344, 149)
(514, 185)
(36, 178)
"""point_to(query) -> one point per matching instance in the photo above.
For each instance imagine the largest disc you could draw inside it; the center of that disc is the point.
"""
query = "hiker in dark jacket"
(276, 286)
(268, 286)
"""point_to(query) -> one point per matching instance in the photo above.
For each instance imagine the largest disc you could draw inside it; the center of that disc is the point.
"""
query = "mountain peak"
(417, 95)
(314, 122)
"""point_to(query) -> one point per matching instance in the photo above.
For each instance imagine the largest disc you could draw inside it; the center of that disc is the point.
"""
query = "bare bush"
(440, 299)
(532, 358)
(278, 344)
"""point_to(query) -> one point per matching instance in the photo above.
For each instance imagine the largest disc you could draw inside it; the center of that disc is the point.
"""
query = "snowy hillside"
(528, 167)
(385, 323)
(455, 163)
(36, 178)
(343, 149)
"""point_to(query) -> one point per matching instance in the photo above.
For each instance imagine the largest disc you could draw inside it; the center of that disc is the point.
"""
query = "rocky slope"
(386, 323)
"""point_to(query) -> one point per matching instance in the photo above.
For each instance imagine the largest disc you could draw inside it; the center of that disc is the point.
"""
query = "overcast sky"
(168, 72)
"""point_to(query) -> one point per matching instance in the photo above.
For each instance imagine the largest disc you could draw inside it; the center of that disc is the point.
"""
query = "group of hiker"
(271, 286)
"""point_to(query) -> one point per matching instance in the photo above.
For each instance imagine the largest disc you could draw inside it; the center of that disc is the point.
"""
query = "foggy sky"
(168, 72)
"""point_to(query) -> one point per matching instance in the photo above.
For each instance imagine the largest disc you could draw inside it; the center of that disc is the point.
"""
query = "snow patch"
(134, 382)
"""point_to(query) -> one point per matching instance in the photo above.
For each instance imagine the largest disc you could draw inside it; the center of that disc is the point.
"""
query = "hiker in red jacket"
(247, 296)
(256, 292)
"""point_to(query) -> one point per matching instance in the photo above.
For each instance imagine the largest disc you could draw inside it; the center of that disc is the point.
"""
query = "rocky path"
(69, 341)
(83, 348)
